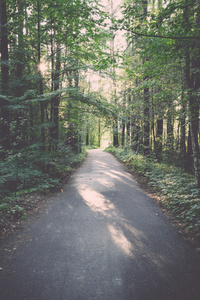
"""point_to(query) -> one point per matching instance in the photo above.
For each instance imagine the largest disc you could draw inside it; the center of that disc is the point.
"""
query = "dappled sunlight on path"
(120, 240)
(102, 238)
(103, 193)
(131, 241)
(95, 200)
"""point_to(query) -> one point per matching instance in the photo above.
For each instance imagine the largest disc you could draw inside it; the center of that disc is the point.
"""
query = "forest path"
(102, 238)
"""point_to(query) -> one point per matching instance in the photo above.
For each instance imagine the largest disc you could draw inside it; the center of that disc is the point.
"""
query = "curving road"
(101, 238)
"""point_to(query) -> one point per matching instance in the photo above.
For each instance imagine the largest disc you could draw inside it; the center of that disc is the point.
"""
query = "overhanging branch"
(162, 36)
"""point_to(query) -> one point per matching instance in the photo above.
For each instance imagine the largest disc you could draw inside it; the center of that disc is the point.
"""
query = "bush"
(30, 169)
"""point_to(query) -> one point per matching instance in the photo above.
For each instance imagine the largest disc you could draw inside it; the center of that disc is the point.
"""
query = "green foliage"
(162, 57)
(23, 171)
(176, 188)
(33, 170)
(51, 45)
(11, 209)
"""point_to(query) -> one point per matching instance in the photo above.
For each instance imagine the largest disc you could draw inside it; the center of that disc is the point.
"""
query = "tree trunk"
(115, 121)
(183, 134)
(99, 133)
(146, 139)
(87, 137)
(158, 138)
(123, 121)
(115, 133)
(192, 75)
(194, 123)
(4, 102)
(56, 101)
(170, 132)
(20, 130)
(20, 49)
(69, 133)
(123, 133)
(40, 79)
(128, 126)
(31, 116)
(136, 140)
(189, 160)
(194, 103)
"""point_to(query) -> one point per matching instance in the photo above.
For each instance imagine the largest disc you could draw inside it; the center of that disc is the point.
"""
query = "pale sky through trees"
(119, 46)
(120, 43)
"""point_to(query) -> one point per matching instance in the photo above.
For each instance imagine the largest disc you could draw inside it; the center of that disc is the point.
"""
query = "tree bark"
(158, 138)
(123, 133)
(112, 49)
(183, 132)
(128, 126)
(146, 137)
(21, 127)
(87, 137)
(40, 79)
(99, 133)
(194, 122)
(189, 160)
(4, 102)
(55, 102)
(170, 130)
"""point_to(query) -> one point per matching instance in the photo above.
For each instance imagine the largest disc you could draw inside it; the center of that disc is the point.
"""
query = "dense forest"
(65, 85)
(47, 106)
(161, 90)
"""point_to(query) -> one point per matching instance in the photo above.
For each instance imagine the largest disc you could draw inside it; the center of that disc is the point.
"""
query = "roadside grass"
(176, 189)
(25, 179)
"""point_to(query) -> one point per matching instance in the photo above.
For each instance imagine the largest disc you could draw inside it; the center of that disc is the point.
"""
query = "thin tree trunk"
(56, 100)
(19, 113)
(123, 132)
(99, 133)
(146, 138)
(69, 111)
(189, 160)
(40, 79)
(129, 118)
(5, 140)
(123, 120)
(87, 137)
(183, 133)
(31, 122)
(158, 139)
(170, 131)
(52, 85)
(115, 121)
(20, 50)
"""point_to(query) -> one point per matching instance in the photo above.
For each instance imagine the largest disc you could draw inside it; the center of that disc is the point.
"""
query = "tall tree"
(5, 141)
(112, 50)
(146, 97)
(192, 75)
(40, 79)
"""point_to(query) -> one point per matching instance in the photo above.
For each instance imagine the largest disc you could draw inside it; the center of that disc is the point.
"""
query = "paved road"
(101, 239)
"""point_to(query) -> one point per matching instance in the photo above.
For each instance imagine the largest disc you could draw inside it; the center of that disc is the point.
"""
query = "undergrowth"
(176, 189)
(32, 170)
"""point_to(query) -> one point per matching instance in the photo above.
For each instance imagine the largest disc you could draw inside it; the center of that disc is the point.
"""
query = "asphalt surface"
(101, 238)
